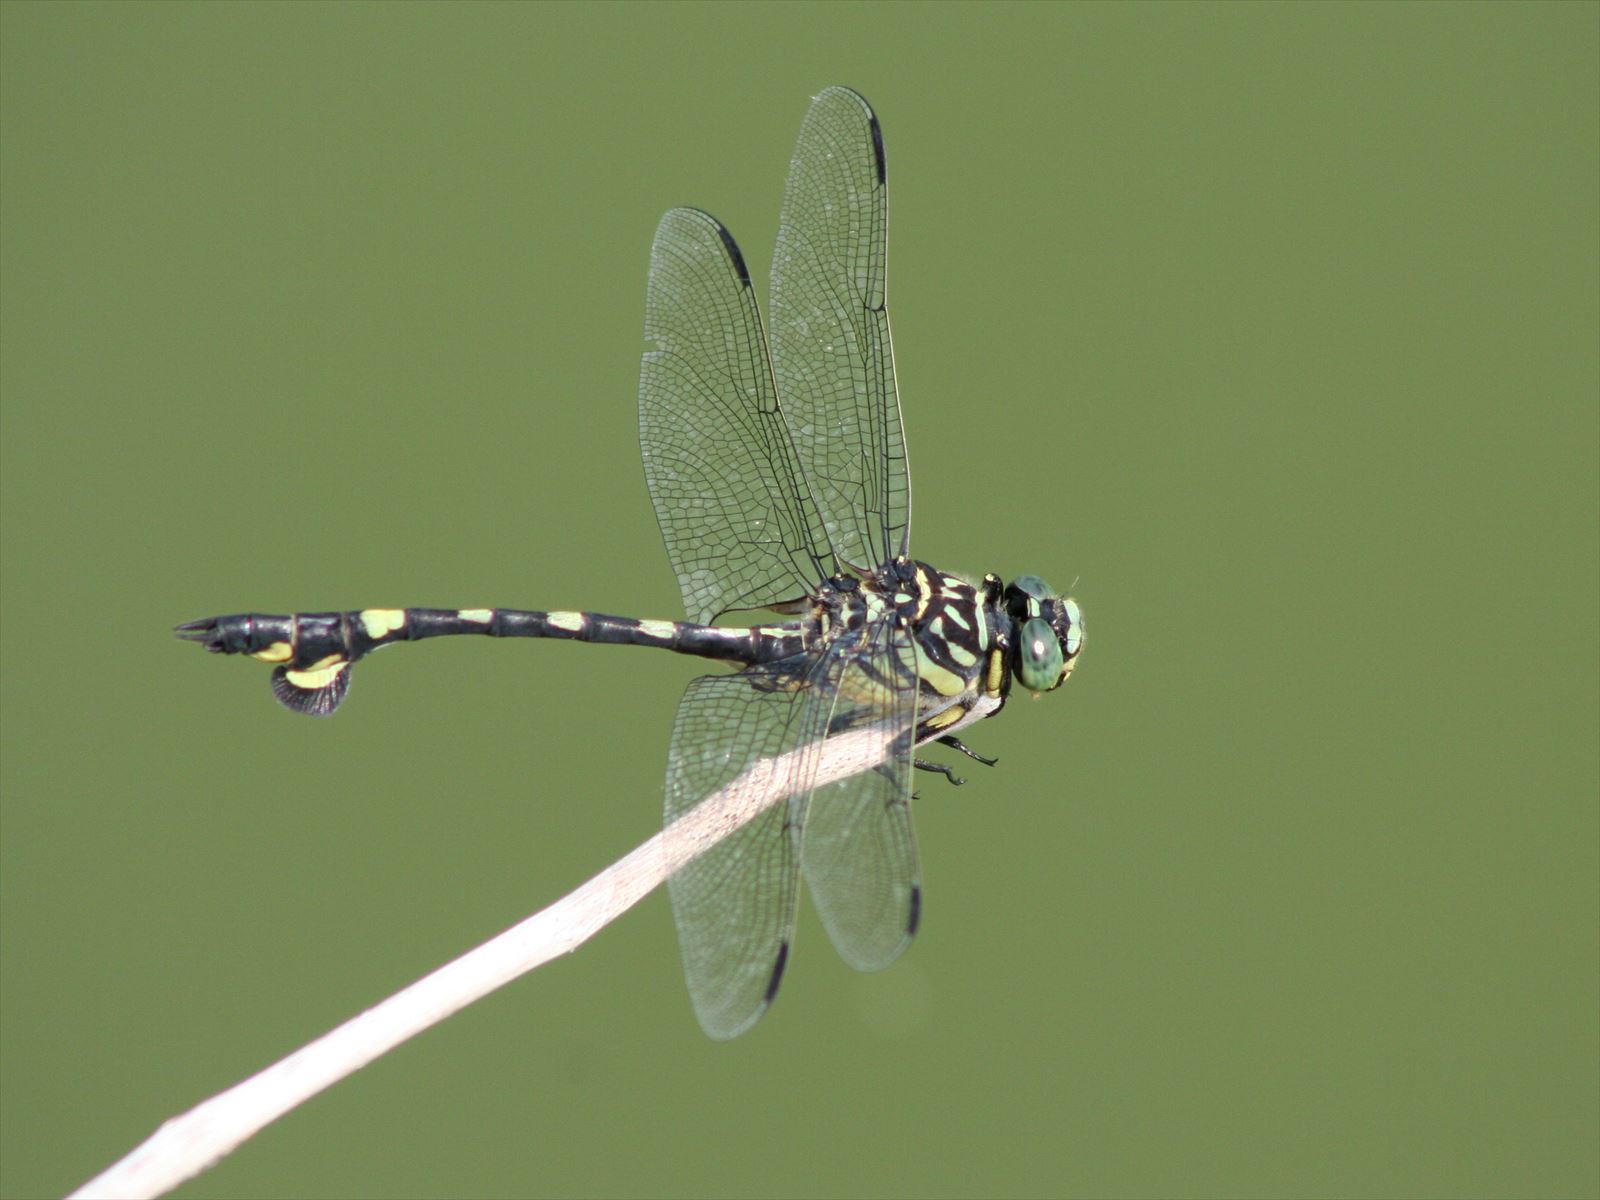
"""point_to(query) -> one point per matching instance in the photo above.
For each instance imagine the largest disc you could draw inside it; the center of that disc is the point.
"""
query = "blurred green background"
(1272, 327)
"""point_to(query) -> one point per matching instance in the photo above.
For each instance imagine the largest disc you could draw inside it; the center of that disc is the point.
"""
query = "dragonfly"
(777, 468)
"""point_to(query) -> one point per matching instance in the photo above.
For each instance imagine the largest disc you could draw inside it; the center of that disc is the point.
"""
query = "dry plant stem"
(186, 1145)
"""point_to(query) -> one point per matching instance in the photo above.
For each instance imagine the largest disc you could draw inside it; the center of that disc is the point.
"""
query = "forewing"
(832, 355)
(739, 527)
(857, 848)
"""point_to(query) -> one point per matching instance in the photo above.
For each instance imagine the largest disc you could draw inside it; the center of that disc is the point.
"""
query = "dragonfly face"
(1049, 633)
(778, 470)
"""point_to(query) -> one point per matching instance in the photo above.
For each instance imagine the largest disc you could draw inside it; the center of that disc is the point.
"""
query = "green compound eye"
(1074, 626)
(1032, 585)
(1039, 659)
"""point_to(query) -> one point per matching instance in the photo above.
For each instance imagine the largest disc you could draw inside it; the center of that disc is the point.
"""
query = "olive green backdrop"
(1274, 328)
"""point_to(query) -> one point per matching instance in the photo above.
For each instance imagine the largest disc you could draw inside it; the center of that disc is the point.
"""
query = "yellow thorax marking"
(925, 590)
(997, 671)
(961, 655)
(942, 680)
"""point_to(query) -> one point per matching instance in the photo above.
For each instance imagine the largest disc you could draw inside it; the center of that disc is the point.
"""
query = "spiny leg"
(923, 764)
(956, 743)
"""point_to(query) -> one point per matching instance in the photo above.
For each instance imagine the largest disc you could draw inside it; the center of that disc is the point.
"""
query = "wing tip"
(877, 146)
(777, 973)
(880, 166)
(735, 255)
(700, 216)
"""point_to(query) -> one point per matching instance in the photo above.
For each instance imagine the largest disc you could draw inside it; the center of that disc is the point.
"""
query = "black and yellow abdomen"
(312, 653)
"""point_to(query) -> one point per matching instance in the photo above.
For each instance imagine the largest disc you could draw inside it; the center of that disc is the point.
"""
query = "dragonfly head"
(1049, 633)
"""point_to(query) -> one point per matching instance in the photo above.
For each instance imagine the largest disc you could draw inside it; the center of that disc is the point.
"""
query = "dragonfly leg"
(923, 764)
(956, 743)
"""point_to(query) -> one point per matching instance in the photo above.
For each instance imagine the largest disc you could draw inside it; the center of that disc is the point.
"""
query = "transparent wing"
(735, 904)
(857, 849)
(729, 495)
(831, 352)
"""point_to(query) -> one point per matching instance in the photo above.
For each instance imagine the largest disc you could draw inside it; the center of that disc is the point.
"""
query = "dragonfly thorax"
(970, 639)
